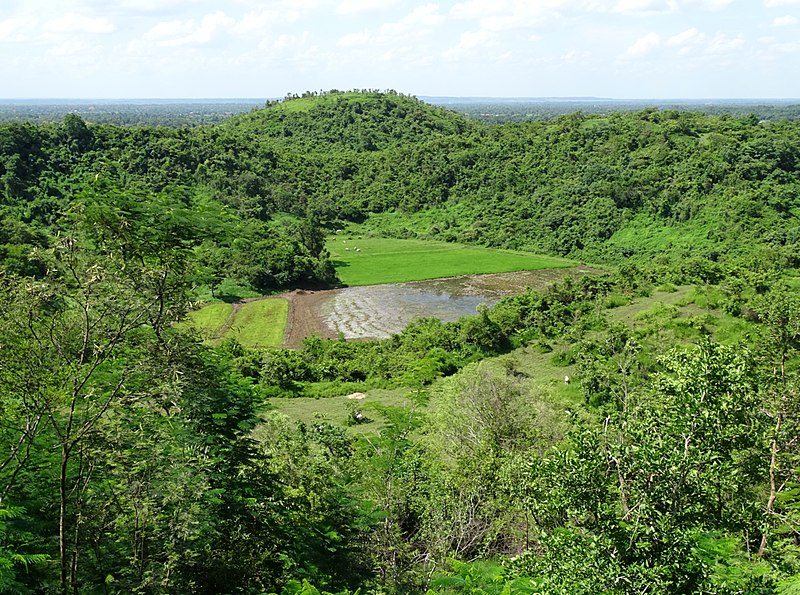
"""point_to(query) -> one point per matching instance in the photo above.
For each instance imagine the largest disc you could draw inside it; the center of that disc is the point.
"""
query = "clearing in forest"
(452, 279)
(374, 261)
(673, 316)
(253, 323)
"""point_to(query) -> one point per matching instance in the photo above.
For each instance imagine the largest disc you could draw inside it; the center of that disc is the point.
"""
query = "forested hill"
(593, 187)
(599, 187)
(628, 432)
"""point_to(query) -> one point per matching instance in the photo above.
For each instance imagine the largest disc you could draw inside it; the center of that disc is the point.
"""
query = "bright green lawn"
(380, 260)
(254, 324)
(260, 323)
(210, 319)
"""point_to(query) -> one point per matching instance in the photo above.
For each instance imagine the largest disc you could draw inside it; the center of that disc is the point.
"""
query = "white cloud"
(788, 48)
(167, 30)
(777, 3)
(295, 51)
(362, 6)
(264, 16)
(141, 6)
(785, 21)
(419, 21)
(283, 42)
(644, 45)
(259, 21)
(73, 49)
(354, 39)
(74, 23)
(658, 7)
(180, 33)
(571, 57)
(722, 44)
(688, 37)
(776, 50)
(468, 42)
(14, 29)
(712, 4)
(477, 9)
(502, 15)
(646, 7)
(426, 15)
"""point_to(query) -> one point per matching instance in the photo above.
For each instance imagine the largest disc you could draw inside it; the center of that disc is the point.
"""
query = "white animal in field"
(566, 379)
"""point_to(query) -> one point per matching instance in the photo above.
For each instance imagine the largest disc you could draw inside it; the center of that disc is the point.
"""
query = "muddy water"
(382, 310)
(378, 311)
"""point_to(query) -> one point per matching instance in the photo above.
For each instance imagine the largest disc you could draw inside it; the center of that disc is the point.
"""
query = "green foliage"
(149, 463)
(12, 560)
(369, 261)
(481, 578)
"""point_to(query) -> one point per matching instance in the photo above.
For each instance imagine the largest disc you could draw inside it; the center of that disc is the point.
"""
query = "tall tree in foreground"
(662, 497)
(779, 310)
(77, 337)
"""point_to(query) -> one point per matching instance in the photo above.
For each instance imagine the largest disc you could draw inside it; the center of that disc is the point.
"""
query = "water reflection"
(379, 311)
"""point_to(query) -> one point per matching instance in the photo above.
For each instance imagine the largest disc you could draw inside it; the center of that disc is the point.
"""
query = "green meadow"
(211, 319)
(260, 323)
(374, 261)
(369, 261)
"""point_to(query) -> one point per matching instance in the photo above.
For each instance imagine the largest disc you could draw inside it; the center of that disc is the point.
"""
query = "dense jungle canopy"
(134, 458)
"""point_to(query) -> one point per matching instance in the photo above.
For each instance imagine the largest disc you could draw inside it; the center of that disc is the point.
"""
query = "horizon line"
(439, 97)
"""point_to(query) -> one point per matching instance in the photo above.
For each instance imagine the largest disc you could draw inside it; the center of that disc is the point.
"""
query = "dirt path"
(304, 317)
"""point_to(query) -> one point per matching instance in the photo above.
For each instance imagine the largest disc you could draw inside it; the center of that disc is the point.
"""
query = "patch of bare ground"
(377, 311)
(304, 319)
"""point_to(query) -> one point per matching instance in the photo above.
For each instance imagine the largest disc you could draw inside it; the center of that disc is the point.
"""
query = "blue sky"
(501, 48)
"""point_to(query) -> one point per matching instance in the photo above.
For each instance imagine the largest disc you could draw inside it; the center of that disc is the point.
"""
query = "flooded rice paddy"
(378, 311)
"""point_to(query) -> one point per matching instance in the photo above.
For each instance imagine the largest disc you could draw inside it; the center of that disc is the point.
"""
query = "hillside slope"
(603, 188)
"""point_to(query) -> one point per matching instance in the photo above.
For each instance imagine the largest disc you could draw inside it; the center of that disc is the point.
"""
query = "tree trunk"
(62, 520)
(773, 481)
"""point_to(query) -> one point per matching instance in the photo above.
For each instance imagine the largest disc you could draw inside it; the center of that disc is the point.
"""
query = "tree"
(659, 487)
(79, 336)
(779, 311)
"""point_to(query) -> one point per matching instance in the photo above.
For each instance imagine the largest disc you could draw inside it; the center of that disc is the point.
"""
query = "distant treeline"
(496, 110)
(127, 112)
(501, 111)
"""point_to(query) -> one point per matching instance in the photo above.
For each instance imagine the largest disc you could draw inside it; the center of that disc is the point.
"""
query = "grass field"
(259, 323)
(544, 379)
(211, 319)
(336, 410)
(373, 261)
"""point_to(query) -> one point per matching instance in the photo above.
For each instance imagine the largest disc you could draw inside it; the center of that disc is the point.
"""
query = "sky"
(625, 49)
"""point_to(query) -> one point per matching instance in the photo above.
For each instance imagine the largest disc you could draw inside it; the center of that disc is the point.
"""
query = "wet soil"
(378, 311)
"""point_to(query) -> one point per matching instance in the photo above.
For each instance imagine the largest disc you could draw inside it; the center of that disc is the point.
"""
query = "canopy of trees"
(136, 459)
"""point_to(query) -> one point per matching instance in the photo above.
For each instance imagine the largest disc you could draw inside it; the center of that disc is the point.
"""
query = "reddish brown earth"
(304, 319)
